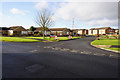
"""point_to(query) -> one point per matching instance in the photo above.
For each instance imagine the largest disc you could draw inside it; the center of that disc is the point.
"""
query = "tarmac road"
(63, 59)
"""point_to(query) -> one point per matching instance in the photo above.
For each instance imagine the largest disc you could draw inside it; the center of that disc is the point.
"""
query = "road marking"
(33, 50)
(74, 51)
(34, 68)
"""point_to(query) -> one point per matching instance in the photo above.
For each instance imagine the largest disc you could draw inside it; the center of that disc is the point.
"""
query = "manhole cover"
(34, 68)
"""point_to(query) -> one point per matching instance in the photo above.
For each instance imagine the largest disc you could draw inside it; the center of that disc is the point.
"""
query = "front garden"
(107, 40)
(33, 39)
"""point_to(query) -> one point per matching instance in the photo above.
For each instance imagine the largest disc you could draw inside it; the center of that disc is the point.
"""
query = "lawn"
(31, 39)
(116, 49)
(17, 39)
(52, 39)
(106, 42)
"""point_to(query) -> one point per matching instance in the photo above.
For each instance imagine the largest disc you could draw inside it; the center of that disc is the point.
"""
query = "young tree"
(32, 28)
(44, 20)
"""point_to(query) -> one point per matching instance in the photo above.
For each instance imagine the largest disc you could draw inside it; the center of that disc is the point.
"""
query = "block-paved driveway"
(64, 59)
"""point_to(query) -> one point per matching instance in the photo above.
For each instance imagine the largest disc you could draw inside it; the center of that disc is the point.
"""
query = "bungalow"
(17, 31)
(101, 31)
(4, 31)
(90, 31)
(95, 31)
(30, 33)
(82, 31)
(74, 32)
(106, 30)
(40, 31)
(60, 31)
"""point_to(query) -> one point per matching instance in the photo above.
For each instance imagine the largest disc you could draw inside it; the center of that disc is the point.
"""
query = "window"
(67, 33)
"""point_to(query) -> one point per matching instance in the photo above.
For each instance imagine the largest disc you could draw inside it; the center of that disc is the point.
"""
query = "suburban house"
(60, 31)
(95, 31)
(30, 33)
(82, 31)
(39, 31)
(106, 30)
(17, 31)
(74, 32)
(90, 31)
(4, 31)
(101, 31)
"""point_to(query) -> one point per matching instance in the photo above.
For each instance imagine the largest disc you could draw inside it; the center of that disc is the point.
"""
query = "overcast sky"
(86, 14)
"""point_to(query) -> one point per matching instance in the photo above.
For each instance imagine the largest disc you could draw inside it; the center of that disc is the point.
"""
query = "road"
(63, 59)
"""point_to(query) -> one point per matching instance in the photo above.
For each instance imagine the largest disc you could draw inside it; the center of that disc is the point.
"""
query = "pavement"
(63, 59)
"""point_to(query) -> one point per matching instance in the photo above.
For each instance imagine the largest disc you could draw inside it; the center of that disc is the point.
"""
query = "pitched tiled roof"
(17, 28)
(58, 29)
(99, 28)
(14, 27)
(40, 29)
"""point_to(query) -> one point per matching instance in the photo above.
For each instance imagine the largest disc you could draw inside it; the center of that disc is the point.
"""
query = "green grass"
(27, 39)
(116, 49)
(52, 39)
(106, 42)
(17, 39)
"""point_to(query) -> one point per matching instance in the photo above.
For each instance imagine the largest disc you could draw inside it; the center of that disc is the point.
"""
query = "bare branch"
(43, 19)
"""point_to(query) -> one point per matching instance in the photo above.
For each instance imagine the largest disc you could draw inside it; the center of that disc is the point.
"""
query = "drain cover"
(34, 68)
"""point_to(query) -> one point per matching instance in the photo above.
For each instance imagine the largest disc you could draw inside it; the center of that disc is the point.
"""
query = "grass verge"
(52, 39)
(17, 39)
(107, 42)
(116, 49)
(29, 39)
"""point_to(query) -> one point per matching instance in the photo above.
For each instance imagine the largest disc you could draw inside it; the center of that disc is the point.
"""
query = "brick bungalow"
(30, 33)
(106, 30)
(17, 31)
(40, 31)
(60, 31)
(74, 32)
(82, 31)
(4, 31)
(101, 31)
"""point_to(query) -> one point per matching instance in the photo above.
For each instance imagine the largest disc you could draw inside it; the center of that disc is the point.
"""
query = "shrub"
(107, 36)
(115, 37)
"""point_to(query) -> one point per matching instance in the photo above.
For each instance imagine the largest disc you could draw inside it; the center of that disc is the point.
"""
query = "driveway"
(64, 59)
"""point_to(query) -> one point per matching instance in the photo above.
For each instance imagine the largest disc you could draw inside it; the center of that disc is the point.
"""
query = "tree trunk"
(43, 34)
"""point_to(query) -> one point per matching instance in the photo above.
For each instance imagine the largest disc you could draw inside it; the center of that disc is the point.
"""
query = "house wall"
(95, 32)
(110, 31)
(47, 32)
(102, 31)
(59, 33)
(4, 32)
(86, 31)
(53, 32)
(17, 33)
(80, 31)
(24, 32)
(90, 32)
(10, 32)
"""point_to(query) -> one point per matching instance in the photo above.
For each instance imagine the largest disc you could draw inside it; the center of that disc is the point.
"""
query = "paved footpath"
(63, 59)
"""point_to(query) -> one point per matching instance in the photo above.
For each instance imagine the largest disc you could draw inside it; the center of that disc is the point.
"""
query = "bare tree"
(44, 20)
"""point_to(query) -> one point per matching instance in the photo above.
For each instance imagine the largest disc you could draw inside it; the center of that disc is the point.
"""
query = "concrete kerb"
(105, 49)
